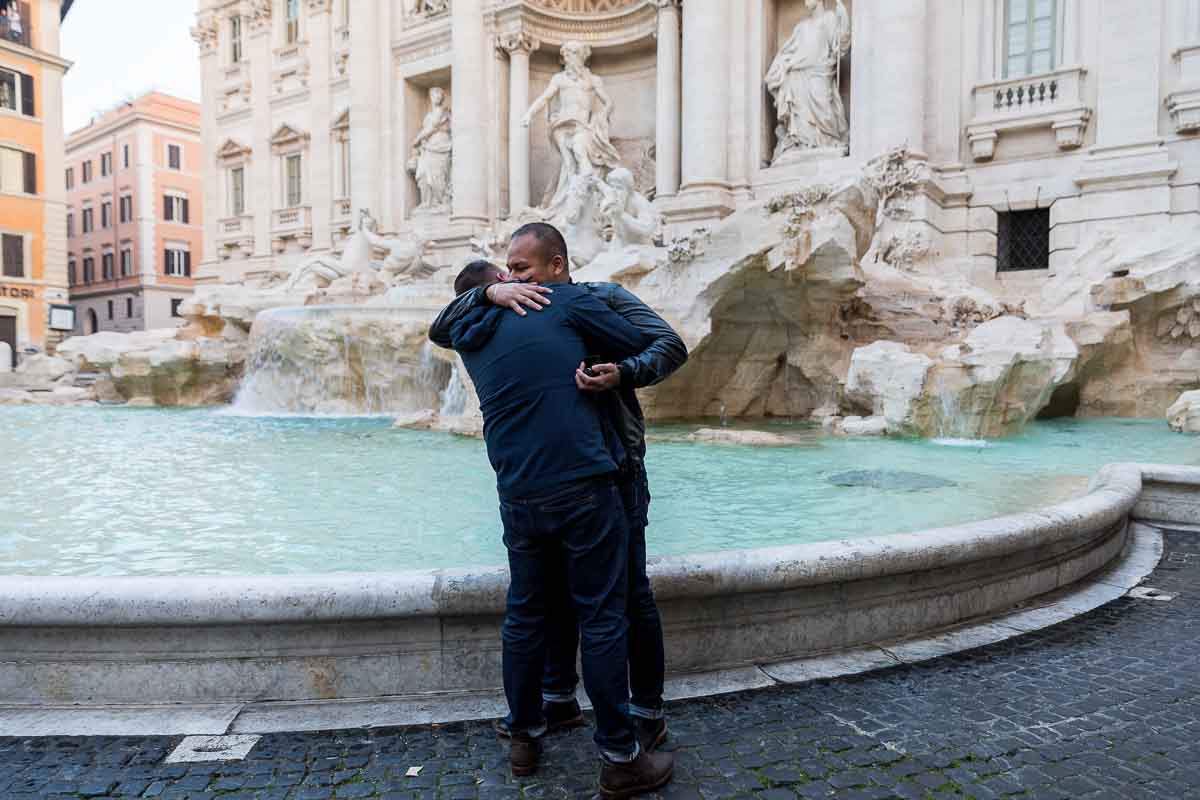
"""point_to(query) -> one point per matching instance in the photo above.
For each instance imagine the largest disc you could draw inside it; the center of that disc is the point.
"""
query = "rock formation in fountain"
(1184, 414)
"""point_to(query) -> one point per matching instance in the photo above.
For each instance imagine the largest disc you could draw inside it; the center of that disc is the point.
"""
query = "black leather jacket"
(656, 363)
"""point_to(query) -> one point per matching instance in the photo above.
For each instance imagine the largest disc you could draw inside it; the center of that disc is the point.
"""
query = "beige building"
(1043, 121)
(135, 214)
(33, 263)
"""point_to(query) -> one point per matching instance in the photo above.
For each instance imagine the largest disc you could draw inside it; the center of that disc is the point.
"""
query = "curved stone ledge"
(202, 639)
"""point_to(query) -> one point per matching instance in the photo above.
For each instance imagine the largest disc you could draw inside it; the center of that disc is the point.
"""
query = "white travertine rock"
(733, 436)
(43, 369)
(862, 426)
(1184, 414)
(888, 379)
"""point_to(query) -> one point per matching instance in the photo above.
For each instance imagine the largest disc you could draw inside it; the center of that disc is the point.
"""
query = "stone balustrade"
(1049, 100)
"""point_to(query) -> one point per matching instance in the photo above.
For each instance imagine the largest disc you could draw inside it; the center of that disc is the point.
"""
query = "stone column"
(668, 99)
(469, 111)
(705, 157)
(320, 32)
(206, 37)
(518, 46)
(365, 44)
(260, 181)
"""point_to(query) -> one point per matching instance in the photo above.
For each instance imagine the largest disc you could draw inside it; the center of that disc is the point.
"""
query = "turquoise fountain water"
(168, 492)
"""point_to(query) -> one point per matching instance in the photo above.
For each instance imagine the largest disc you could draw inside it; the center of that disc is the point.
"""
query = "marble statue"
(803, 80)
(578, 115)
(430, 163)
(630, 215)
(417, 8)
(404, 259)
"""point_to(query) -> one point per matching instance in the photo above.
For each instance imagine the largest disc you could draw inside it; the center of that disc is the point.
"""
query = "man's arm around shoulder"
(665, 354)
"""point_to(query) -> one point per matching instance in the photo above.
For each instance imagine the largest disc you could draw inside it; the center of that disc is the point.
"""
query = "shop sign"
(17, 292)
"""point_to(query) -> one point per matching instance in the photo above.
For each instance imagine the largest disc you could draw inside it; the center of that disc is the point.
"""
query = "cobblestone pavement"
(1104, 706)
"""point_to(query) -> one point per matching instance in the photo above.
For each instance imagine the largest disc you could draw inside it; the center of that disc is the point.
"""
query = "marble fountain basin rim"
(196, 639)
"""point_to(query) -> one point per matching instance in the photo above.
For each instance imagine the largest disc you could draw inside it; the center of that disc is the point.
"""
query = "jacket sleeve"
(440, 330)
(604, 329)
(666, 352)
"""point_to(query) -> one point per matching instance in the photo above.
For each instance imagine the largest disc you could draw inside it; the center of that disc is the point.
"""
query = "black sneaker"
(651, 733)
(559, 717)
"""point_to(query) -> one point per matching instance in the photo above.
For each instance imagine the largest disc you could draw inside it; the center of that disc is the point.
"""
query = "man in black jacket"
(665, 354)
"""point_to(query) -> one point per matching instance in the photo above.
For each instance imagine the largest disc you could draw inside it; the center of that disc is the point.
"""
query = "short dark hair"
(552, 241)
(475, 274)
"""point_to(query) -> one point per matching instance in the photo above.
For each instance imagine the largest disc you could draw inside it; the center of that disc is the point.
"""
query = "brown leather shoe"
(646, 773)
(651, 733)
(523, 755)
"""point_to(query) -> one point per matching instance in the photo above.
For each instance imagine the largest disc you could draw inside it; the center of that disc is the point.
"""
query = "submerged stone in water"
(890, 479)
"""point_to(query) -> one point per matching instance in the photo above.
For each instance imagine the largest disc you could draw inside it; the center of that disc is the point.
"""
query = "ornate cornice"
(205, 33)
(605, 25)
(258, 13)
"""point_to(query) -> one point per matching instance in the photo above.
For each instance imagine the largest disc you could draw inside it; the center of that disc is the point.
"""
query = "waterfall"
(454, 396)
(341, 360)
(954, 429)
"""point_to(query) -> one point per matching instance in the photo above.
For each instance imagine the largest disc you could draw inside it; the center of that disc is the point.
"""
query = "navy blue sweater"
(541, 430)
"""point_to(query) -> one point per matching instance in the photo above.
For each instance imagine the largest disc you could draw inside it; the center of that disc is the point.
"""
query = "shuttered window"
(178, 262)
(13, 248)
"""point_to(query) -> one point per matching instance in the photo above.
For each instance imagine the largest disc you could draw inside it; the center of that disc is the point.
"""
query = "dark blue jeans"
(646, 660)
(575, 537)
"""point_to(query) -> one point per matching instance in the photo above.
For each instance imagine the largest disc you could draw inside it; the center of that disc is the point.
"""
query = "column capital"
(259, 15)
(518, 42)
(205, 34)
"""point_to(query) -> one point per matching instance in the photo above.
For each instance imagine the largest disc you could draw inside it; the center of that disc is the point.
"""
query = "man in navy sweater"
(556, 457)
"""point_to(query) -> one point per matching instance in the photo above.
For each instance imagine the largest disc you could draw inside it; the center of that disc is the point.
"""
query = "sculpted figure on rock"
(803, 80)
(631, 216)
(404, 260)
(430, 163)
(578, 113)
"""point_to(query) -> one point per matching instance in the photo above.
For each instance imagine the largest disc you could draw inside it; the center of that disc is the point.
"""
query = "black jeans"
(646, 660)
(571, 541)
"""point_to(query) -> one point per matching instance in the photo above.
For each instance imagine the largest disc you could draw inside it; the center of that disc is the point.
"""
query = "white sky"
(122, 48)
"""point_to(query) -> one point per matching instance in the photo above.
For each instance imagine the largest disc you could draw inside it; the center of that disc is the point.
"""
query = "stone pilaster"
(206, 36)
(668, 98)
(366, 41)
(260, 179)
(518, 46)
(320, 171)
(469, 112)
(705, 95)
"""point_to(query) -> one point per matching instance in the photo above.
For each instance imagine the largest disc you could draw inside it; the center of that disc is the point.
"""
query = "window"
(127, 208)
(87, 220)
(110, 309)
(126, 262)
(1030, 33)
(128, 308)
(174, 156)
(13, 248)
(176, 302)
(87, 171)
(293, 196)
(16, 92)
(70, 177)
(235, 40)
(1023, 240)
(106, 266)
(124, 156)
(175, 208)
(237, 191)
(18, 171)
(89, 269)
(106, 214)
(70, 224)
(292, 21)
(179, 262)
(71, 272)
(105, 165)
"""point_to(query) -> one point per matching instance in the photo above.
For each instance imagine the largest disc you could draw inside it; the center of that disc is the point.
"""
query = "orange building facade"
(33, 251)
(134, 214)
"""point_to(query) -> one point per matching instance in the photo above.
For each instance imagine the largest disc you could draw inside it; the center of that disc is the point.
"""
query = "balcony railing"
(296, 219)
(15, 25)
(235, 226)
(1049, 100)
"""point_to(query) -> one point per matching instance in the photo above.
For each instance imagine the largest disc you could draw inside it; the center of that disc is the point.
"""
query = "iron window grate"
(1023, 241)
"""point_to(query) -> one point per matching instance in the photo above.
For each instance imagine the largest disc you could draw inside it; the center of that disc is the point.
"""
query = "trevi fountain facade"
(929, 221)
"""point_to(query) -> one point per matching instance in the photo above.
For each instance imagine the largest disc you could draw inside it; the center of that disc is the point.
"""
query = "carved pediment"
(288, 138)
(232, 150)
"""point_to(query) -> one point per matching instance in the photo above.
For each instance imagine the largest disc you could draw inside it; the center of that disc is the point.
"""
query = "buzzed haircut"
(477, 273)
(551, 240)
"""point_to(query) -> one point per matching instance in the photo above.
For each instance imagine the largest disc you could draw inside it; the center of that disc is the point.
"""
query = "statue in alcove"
(804, 82)
(430, 163)
(579, 111)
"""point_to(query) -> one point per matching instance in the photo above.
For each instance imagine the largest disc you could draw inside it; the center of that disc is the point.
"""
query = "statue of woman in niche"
(803, 80)
(578, 115)
(430, 163)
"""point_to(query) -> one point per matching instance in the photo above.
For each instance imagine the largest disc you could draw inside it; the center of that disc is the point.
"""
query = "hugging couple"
(555, 365)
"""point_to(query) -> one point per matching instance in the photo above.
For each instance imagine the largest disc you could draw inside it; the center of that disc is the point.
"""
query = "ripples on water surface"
(162, 492)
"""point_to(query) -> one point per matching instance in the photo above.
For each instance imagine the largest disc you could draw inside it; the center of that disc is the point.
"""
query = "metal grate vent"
(1023, 240)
